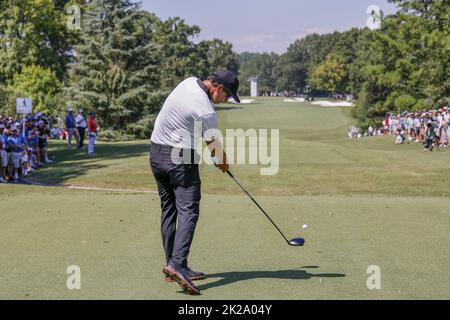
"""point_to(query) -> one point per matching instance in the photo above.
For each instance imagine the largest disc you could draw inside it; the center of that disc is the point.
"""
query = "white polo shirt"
(80, 121)
(175, 123)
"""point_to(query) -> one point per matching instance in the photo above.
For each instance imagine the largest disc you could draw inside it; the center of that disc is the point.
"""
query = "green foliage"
(41, 85)
(116, 69)
(404, 102)
(125, 61)
(121, 64)
(180, 57)
(113, 135)
(260, 65)
(329, 74)
(221, 56)
(128, 61)
(33, 32)
(294, 68)
(410, 61)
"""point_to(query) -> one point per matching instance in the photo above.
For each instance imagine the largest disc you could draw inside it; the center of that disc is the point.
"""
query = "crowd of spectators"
(24, 141)
(429, 127)
(23, 145)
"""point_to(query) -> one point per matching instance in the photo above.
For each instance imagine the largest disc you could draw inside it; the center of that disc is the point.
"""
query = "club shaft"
(248, 194)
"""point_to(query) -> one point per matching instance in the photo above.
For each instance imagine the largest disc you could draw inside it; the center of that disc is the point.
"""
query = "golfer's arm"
(216, 149)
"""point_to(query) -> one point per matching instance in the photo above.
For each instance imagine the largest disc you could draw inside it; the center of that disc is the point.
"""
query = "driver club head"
(297, 242)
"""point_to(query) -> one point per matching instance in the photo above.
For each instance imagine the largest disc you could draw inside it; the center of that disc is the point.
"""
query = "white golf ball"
(305, 226)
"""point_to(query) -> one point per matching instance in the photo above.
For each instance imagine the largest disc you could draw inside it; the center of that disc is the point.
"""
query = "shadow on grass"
(236, 276)
(69, 164)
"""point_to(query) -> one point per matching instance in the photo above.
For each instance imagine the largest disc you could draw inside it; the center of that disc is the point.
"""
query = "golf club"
(292, 242)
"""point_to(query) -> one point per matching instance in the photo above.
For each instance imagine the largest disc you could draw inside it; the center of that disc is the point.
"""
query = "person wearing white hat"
(81, 124)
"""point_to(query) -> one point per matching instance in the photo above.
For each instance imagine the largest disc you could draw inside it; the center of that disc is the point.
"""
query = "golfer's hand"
(223, 167)
(222, 164)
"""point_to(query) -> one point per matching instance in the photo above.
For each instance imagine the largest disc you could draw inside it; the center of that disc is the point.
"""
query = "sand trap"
(333, 104)
(243, 101)
(295, 100)
(321, 103)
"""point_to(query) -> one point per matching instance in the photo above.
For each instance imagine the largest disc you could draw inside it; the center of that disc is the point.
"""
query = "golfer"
(179, 181)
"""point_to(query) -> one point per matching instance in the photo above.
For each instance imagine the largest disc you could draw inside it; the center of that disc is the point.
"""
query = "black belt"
(185, 155)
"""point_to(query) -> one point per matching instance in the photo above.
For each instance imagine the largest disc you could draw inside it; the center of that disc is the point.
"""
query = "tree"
(294, 68)
(409, 62)
(116, 71)
(181, 57)
(41, 85)
(260, 65)
(222, 57)
(329, 74)
(33, 32)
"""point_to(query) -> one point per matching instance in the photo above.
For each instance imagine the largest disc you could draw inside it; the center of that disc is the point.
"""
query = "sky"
(263, 25)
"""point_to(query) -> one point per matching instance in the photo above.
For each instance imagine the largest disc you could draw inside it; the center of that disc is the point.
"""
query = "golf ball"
(305, 226)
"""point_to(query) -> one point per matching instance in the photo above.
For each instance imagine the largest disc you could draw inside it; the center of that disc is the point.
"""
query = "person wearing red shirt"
(92, 127)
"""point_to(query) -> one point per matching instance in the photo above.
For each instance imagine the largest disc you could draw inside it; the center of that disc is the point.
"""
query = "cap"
(80, 110)
(92, 113)
(70, 109)
(231, 83)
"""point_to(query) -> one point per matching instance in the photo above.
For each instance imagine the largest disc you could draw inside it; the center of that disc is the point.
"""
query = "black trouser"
(179, 189)
(82, 133)
(428, 144)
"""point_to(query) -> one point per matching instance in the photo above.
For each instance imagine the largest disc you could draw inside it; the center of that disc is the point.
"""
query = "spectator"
(55, 133)
(92, 127)
(63, 134)
(22, 153)
(80, 120)
(16, 148)
(429, 138)
(412, 126)
(448, 133)
(399, 139)
(3, 154)
(71, 129)
(44, 133)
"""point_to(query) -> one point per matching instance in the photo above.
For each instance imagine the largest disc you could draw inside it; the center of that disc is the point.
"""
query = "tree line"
(121, 64)
(124, 61)
(404, 65)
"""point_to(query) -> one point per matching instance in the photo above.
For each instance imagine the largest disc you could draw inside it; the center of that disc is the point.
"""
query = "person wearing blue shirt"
(3, 154)
(16, 146)
(71, 128)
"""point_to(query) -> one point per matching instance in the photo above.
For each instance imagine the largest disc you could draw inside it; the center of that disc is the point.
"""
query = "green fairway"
(366, 202)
